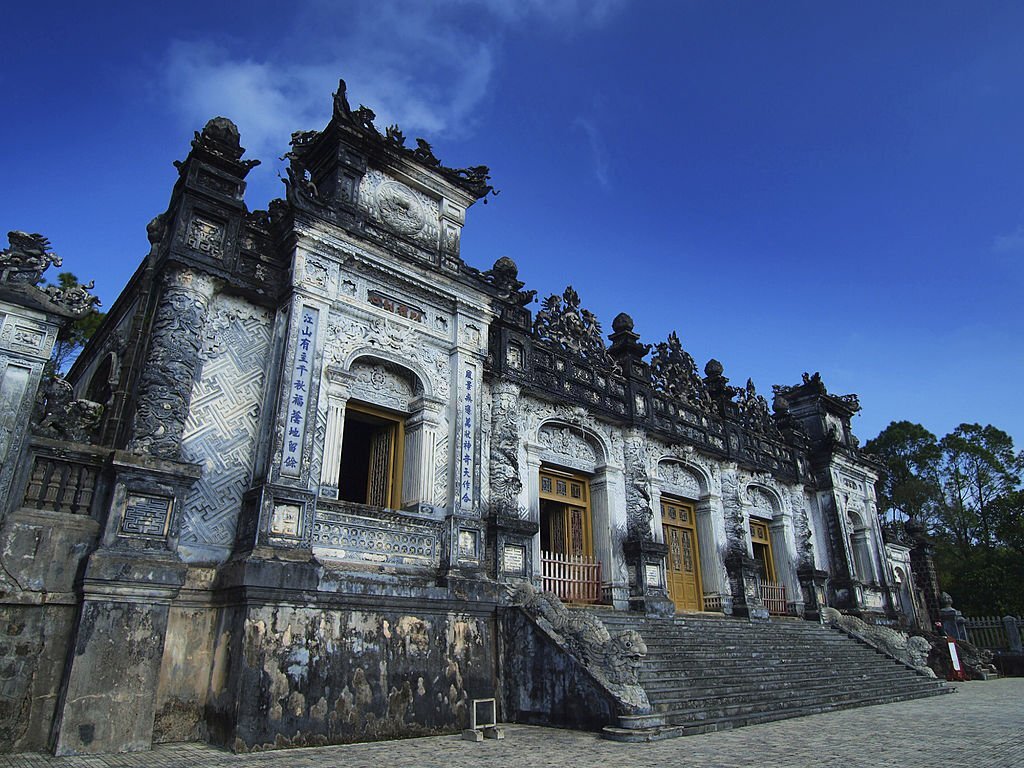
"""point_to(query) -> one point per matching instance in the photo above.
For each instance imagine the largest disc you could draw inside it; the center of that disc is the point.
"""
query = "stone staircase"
(707, 673)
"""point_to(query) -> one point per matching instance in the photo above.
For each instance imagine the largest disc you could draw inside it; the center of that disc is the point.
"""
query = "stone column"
(1013, 634)
(330, 468)
(710, 561)
(532, 483)
(172, 363)
(420, 439)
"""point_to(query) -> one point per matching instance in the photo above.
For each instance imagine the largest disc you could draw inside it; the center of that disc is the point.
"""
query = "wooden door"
(760, 538)
(682, 566)
(568, 517)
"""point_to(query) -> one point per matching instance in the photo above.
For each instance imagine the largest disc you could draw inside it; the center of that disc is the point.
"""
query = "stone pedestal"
(510, 540)
(813, 586)
(645, 560)
(744, 573)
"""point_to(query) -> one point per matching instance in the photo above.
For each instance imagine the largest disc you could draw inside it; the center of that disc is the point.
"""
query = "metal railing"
(996, 633)
(774, 598)
(574, 578)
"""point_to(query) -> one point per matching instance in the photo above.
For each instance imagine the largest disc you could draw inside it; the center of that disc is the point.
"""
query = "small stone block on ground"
(494, 732)
(471, 734)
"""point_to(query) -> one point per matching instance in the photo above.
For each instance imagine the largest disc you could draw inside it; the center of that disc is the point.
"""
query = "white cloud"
(424, 65)
(1011, 243)
(598, 153)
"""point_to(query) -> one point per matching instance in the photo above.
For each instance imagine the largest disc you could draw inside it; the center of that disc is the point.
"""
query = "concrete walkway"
(979, 726)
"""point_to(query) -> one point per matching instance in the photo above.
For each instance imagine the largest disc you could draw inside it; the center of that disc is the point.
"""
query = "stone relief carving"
(567, 442)
(802, 528)
(735, 520)
(441, 466)
(381, 384)
(345, 335)
(562, 322)
(174, 358)
(397, 207)
(639, 512)
(761, 502)
(681, 480)
(613, 661)
(506, 481)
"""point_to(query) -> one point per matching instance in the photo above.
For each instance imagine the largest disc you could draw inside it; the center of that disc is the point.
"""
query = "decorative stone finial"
(622, 322)
(27, 257)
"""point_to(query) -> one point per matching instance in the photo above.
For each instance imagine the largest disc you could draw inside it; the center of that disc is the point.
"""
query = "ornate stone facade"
(330, 449)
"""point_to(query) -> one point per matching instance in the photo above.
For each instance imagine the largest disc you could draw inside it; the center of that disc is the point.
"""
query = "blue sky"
(792, 186)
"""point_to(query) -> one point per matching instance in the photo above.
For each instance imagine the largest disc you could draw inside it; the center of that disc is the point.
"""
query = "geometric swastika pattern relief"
(220, 432)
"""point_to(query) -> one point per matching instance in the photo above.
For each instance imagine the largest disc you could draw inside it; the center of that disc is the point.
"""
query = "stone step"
(770, 690)
(714, 672)
(737, 721)
(727, 710)
(663, 684)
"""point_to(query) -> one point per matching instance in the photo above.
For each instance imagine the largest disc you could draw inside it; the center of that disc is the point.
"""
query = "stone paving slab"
(980, 726)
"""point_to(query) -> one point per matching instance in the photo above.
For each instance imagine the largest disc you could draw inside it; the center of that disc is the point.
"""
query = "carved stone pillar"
(172, 363)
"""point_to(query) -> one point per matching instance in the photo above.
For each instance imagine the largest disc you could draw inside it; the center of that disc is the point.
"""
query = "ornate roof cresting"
(674, 372)
(561, 321)
(473, 179)
(504, 276)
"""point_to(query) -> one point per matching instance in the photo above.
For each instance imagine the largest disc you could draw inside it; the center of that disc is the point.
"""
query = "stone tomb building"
(331, 452)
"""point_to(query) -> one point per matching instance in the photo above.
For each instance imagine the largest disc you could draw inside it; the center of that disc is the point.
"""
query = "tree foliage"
(72, 339)
(966, 488)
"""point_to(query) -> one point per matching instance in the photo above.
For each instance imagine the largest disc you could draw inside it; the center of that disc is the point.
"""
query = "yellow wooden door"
(683, 560)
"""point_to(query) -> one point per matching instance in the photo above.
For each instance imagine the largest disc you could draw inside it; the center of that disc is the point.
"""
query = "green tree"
(978, 468)
(910, 487)
(966, 488)
(72, 339)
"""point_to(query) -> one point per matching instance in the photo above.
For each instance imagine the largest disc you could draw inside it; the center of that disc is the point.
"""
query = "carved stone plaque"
(467, 545)
(205, 236)
(652, 575)
(513, 559)
(146, 515)
(287, 520)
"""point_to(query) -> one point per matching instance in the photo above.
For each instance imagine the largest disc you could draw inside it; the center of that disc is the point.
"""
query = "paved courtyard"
(981, 725)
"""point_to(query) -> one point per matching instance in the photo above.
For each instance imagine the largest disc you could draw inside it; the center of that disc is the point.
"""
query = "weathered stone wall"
(302, 675)
(187, 661)
(33, 645)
